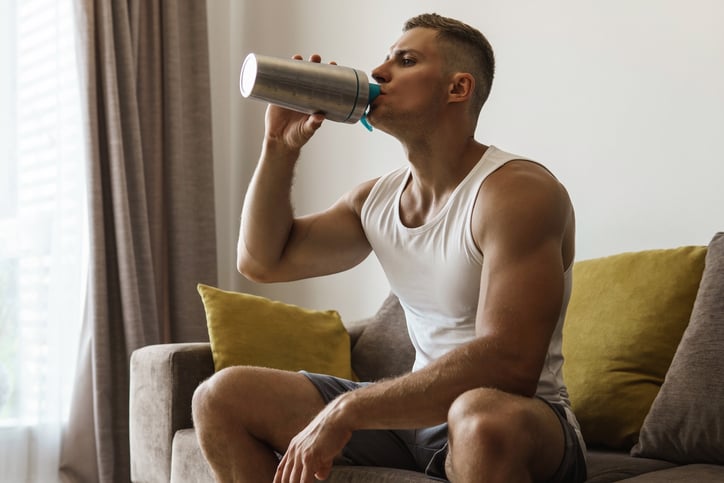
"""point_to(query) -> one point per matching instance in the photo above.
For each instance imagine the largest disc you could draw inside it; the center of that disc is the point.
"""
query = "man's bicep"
(520, 302)
(527, 285)
(522, 280)
(321, 243)
(520, 225)
(328, 242)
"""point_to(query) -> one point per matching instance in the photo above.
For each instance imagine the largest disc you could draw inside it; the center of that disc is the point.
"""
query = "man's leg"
(243, 414)
(500, 437)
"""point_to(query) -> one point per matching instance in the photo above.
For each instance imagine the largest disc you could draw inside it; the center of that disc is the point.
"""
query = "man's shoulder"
(522, 196)
(520, 176)
(384, 186)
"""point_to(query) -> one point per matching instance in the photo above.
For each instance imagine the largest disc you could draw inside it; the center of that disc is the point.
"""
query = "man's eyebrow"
(401, 53)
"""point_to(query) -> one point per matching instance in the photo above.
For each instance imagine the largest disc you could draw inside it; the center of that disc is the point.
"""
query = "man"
(477, 244)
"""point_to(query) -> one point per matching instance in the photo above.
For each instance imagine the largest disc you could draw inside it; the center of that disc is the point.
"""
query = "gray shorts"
(424, 450)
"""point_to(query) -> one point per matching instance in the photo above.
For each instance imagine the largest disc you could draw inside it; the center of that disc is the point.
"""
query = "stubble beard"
(403, 126)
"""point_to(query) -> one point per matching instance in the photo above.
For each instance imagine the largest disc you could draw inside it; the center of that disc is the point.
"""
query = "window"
(42, 231)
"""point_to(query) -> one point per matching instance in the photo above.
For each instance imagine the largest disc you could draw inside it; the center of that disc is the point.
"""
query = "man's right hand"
(291, 129)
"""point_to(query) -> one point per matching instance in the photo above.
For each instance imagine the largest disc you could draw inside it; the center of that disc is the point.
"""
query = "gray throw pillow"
(383, 349)
(686, 421)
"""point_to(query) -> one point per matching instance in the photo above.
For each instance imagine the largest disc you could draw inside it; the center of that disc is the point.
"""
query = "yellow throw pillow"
(625, 319)
(247, 329)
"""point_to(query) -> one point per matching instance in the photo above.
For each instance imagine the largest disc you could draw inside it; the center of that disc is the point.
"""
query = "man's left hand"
(311, 453)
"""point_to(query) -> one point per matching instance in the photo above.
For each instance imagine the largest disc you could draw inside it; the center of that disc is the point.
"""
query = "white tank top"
(435, 269)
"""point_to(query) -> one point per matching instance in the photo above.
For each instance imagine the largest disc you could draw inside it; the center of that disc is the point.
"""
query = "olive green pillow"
(247, 329)
(625, 319)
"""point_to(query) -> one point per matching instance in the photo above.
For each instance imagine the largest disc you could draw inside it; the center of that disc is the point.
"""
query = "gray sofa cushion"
(606, 466)
(383, 348)
(681, 474)
(359, 474)
(188, 463)
(686, 421)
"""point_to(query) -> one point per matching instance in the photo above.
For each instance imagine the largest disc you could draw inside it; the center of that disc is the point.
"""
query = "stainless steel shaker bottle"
(341, 93)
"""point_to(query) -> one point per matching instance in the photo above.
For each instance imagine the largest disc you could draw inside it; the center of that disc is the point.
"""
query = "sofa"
(679, 436)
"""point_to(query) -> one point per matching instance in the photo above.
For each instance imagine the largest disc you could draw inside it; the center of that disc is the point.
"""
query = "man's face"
(412, 80)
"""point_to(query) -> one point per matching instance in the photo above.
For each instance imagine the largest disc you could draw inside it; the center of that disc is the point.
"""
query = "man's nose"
(380, 74)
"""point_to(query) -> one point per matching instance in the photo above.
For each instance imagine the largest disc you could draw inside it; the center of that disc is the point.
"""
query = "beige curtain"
(151, 209)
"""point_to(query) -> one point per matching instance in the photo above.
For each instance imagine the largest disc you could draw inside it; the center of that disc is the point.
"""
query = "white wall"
(623, 100)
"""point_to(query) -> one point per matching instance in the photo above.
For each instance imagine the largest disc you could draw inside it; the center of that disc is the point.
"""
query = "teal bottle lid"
(374, 92)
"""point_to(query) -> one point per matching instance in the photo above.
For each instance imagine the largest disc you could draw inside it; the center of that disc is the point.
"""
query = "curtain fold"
(152, 228)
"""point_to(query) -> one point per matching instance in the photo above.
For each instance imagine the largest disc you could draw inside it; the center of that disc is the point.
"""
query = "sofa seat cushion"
(698, 473)
(607, 466)
(366, 474)
(188, 463)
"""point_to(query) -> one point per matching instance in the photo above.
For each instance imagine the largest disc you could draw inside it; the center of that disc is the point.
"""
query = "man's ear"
(461, 87)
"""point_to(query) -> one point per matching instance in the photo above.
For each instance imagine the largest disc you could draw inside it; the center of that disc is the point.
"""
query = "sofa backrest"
(381, 345)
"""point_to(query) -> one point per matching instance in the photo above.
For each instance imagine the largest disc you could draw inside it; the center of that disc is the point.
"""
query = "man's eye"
(407, 62)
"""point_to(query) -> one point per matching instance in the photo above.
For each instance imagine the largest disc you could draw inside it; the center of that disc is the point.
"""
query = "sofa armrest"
(162, 383)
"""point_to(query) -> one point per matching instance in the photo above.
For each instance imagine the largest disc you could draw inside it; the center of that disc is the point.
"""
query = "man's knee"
(211, 396)
(487, 419)
(510, 432)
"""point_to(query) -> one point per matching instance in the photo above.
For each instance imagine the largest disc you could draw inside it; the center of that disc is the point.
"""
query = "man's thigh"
(271, 405)
(408, 449)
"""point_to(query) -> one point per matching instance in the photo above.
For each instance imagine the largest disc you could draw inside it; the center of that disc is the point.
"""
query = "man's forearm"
(422, 398)
(267, 216)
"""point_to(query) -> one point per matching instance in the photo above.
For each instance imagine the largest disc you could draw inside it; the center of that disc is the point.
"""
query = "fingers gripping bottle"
(342, 94)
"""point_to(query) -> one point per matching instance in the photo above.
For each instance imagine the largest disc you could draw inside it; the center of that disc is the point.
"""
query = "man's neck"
(442, 165)
(435, 173)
